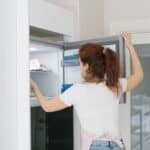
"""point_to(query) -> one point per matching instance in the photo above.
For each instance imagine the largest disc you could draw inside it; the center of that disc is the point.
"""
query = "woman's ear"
(86, 67)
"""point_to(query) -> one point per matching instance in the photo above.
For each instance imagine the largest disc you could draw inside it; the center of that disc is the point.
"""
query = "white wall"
(125, 10)
(14, 83)
(91, 18)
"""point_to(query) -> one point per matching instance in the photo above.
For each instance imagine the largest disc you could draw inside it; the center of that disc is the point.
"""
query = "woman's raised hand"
(128, 39)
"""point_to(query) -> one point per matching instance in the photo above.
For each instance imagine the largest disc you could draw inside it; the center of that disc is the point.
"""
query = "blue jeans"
(105, 145)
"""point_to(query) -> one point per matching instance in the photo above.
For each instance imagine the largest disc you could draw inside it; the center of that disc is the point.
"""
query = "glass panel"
(140, 105)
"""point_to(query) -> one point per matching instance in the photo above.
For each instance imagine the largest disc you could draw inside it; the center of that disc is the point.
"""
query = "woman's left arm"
(52, 105)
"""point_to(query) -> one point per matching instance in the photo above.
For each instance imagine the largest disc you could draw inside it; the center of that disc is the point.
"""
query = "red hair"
(104, 64)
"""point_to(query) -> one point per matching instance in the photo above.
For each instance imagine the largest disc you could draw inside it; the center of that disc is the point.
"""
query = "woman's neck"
(94, 80)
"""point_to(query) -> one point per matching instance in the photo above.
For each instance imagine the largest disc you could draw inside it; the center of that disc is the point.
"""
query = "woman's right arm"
(52, 105)
(137, 76)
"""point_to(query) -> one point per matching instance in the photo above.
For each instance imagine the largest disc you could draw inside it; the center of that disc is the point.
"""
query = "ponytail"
(102, 62)
(112, 70)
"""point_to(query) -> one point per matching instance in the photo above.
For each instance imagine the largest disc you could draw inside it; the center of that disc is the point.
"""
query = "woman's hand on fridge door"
(137, 76)
(39, 97)
(35, 89)
(52, 105)
(128, 39)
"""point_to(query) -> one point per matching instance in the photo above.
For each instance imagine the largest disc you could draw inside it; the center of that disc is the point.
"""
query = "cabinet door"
(59, 130)
(52, 131)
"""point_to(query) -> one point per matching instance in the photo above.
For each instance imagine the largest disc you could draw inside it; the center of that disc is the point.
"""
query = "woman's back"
(96, 105)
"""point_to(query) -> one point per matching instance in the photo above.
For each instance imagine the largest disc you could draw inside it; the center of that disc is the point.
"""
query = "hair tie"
(104, 50)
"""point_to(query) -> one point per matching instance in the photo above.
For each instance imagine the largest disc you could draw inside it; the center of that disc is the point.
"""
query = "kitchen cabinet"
(51, 130)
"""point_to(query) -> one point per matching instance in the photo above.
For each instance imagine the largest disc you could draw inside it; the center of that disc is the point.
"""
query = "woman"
(97, 100)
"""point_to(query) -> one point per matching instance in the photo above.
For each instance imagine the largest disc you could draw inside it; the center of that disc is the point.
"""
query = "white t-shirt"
(96, 105)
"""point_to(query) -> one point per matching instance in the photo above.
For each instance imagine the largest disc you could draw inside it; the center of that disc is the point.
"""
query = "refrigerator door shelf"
(39, 71)
(71, 60)
(70, 63)
(70, 57)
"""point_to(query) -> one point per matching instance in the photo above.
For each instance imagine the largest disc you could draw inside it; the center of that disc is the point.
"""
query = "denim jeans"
(105, 145)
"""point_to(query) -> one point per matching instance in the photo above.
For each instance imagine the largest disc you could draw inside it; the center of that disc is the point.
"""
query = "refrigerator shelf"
(39, 71)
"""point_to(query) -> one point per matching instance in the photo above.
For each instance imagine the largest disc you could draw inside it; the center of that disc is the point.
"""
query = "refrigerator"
(140, 97)
(54, 65)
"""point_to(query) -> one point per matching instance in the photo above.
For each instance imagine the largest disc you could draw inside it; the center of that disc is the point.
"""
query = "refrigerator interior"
(52, 65)
(45, 68)
(140, 104)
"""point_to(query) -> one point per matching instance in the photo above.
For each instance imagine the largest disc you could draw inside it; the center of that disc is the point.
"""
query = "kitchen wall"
(91, 18)
(126, 11)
